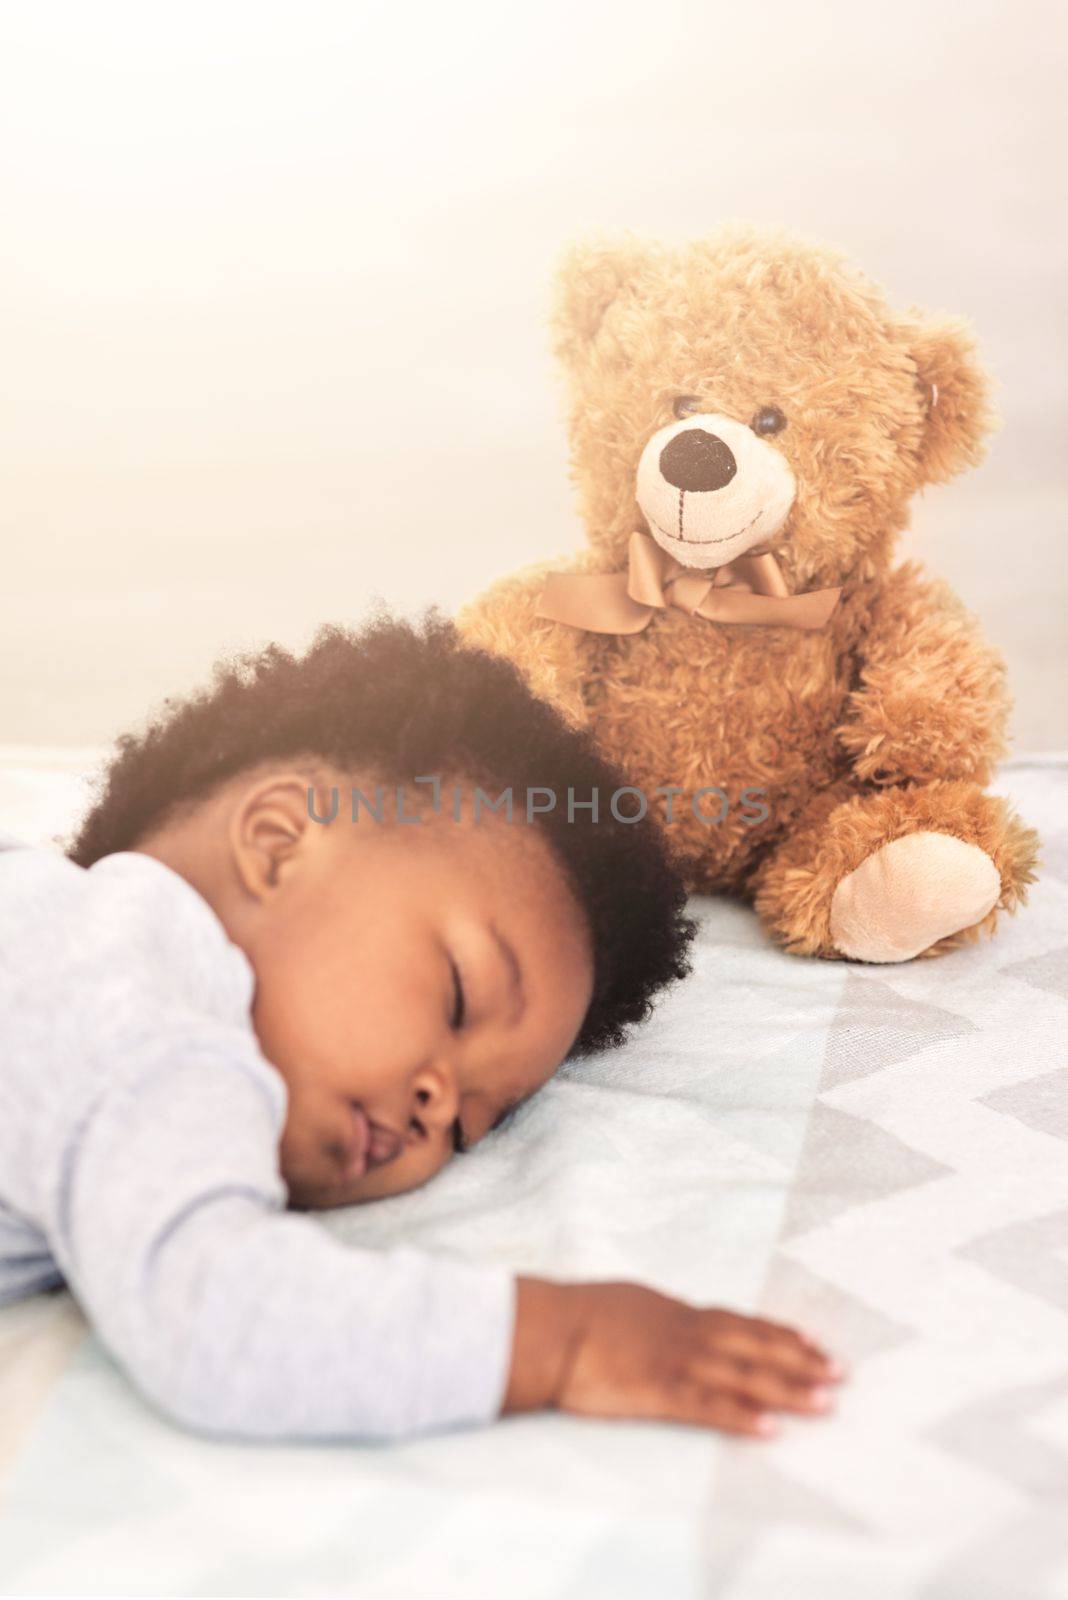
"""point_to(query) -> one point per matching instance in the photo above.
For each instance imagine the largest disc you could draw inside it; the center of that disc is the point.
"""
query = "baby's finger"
(769, 1387)
(774, 1345)
(761, 1328)
(710, 1406)
(781, 1335)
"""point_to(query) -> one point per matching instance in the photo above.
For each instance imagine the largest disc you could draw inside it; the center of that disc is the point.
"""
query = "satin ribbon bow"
(749, 590)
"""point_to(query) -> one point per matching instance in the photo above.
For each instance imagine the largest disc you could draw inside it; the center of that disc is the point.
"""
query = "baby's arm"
(237, 1317)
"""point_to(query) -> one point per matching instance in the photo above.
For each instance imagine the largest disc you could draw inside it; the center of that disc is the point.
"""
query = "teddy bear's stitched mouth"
(680, 537)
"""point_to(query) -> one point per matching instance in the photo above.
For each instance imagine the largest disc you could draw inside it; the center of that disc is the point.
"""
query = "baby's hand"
(620, 1350)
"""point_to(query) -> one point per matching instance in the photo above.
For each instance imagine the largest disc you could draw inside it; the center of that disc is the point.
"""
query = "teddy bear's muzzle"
(710, 489)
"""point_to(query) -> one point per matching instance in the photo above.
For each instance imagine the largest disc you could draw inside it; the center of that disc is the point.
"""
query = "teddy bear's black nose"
(695, 460)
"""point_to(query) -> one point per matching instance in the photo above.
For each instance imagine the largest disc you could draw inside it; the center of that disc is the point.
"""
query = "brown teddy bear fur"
(890, 718)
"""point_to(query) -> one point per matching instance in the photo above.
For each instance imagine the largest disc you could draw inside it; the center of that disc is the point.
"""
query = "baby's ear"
(960, 413)
(589, 277)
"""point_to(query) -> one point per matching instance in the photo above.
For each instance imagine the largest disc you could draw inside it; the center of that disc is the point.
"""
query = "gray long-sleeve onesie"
(139, 1129)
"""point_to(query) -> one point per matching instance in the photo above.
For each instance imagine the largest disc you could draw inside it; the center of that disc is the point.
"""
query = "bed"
(876, 1154)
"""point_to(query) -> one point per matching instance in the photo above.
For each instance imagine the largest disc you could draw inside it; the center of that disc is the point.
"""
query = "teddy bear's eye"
(769, 419)
(685, 405)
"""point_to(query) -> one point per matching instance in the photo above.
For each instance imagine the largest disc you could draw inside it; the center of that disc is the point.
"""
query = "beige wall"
(274, 275)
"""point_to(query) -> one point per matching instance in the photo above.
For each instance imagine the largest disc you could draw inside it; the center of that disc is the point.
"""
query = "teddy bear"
(749, 421)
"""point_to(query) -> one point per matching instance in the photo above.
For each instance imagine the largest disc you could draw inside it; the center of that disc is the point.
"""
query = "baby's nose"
(697, 461)
(436, 1096)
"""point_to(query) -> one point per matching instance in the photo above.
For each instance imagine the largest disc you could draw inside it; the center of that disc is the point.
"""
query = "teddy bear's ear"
(589, 276)
(960, 415)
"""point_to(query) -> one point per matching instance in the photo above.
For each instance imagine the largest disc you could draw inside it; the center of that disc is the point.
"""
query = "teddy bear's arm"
(551, 656)
(930, 701)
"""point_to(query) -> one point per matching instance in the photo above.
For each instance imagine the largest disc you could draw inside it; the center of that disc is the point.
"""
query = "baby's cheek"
(302, 1173)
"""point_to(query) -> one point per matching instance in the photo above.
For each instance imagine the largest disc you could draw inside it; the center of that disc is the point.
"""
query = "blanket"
(876, 1154)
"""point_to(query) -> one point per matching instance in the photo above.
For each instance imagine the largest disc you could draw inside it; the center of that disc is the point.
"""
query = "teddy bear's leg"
(889, 874)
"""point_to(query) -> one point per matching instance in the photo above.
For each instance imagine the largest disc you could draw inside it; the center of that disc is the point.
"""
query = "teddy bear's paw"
(910, 893)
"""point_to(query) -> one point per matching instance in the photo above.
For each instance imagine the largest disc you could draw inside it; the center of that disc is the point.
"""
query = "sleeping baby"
(312, 940)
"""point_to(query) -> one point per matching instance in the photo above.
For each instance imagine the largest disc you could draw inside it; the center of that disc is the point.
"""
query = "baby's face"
(412, 983)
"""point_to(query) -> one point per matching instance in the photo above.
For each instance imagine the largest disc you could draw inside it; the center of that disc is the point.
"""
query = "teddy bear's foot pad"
(910, 893)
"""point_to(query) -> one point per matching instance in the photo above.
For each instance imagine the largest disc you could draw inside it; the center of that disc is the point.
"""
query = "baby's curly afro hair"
(397, 700)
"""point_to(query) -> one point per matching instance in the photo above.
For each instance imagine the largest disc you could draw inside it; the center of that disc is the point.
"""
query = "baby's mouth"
(370, 1144)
